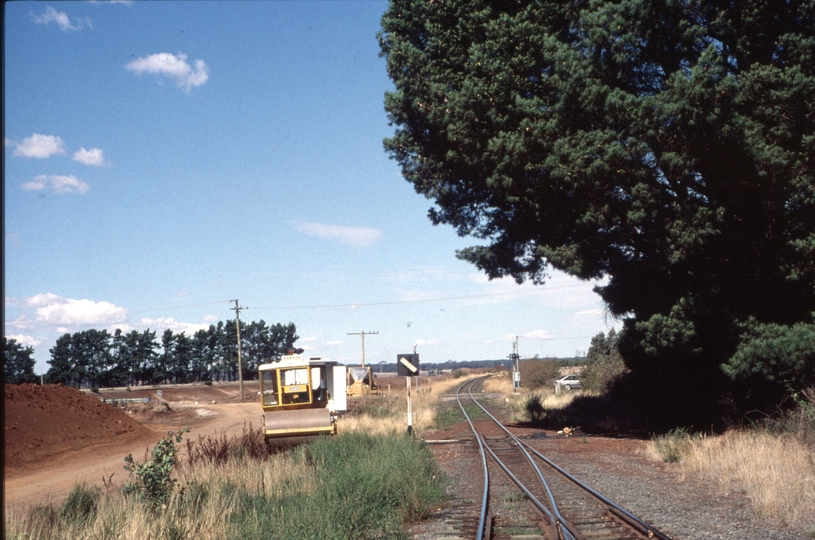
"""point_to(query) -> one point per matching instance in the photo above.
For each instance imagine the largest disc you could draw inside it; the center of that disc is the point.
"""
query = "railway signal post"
(407, 365)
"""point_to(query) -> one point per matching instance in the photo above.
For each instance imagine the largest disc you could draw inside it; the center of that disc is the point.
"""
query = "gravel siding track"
(688, 509)
(684, 508)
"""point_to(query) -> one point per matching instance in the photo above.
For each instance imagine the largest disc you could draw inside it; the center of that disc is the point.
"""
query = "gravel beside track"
(685, 508)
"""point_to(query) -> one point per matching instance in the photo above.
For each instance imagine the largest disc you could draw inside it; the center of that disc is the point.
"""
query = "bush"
(672, 445)
(602, 373)
(80, 505)
(534, 408)
(154, 482)
(460, 372)
(536, 373)
(769, 360)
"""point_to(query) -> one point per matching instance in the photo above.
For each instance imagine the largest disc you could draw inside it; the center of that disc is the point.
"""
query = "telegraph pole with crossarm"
(363, 342)
(238, 309)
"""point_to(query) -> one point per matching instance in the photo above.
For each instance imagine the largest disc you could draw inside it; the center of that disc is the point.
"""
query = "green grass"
(450, 414)
(352, 486)
(367, 487)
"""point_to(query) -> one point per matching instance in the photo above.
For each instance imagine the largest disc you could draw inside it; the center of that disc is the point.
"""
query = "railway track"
(565, 508)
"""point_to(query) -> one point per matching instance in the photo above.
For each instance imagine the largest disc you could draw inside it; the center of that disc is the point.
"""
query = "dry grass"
(777, 472)
(191, 512)
(501, 383)
(772, 463)
(393, 420)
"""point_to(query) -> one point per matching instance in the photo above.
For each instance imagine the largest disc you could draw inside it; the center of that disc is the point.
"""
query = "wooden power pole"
(363, 342)
(238, 309)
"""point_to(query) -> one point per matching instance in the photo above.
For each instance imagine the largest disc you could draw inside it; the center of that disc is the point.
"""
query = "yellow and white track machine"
(301, 397)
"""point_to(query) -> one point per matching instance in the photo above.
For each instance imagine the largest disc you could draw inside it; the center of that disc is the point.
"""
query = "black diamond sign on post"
(407, 365)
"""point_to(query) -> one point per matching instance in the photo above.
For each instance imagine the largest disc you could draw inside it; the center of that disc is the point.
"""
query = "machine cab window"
(269, 387)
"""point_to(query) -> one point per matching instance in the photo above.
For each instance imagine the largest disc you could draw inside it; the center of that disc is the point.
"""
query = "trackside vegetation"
(354, 485)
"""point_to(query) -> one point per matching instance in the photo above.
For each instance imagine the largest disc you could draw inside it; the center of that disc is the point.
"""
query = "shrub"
(459, 373)
(536, 373)
(80, 505)
(154, 482)
(671, 446)
(534, 408)
(602, 373)
(771, 358)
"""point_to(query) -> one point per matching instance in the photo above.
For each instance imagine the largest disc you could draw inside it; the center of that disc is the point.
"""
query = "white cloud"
(426, 342)
(361, 237)
(173, 66)
(25, 341)
(94, 157)
(58, 184)
(211, 319)
(38, 146)
(42, 299)
(58, 311)
(61, 18)
(536, 334)
(333, 343)
(22, 322)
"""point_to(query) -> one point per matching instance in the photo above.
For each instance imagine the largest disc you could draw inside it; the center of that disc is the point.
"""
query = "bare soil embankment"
(56, 436)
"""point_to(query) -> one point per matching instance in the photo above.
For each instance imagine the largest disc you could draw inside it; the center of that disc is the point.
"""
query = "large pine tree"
(666, 145)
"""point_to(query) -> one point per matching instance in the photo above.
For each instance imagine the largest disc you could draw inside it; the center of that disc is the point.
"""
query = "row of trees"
(97, 358)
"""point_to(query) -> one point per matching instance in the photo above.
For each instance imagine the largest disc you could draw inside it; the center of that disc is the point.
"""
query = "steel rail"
(618, 510)
(529, 495)
(567, 529)
(643, 526)
(483, 517)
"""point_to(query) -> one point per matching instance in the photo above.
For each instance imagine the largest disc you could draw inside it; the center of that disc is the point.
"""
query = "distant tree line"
(97, 358)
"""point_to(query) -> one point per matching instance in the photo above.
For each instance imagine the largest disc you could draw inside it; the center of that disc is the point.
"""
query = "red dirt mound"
(45, 421)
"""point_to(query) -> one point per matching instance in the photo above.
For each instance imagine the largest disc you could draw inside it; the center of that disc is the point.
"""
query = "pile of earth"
(42, 422)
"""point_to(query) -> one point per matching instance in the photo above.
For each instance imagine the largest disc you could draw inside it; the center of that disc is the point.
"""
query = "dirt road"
(53, 478)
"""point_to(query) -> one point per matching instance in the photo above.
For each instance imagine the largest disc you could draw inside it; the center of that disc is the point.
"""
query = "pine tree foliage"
(668, 145)
(18, 365)
(95, 358)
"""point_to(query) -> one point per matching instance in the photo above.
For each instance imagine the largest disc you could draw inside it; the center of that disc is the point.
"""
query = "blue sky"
(163, 158)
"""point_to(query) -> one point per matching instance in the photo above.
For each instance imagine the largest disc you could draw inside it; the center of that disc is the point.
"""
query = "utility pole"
(363, 342)
(238, 309)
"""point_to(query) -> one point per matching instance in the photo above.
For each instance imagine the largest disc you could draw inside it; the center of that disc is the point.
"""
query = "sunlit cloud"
(59, 311)
(61, 19)
(361, 237)
(57, 184)
(174, 67)
(24, 340)
(94, 157)
(42, 299)
(38, 146)
(537, 334)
